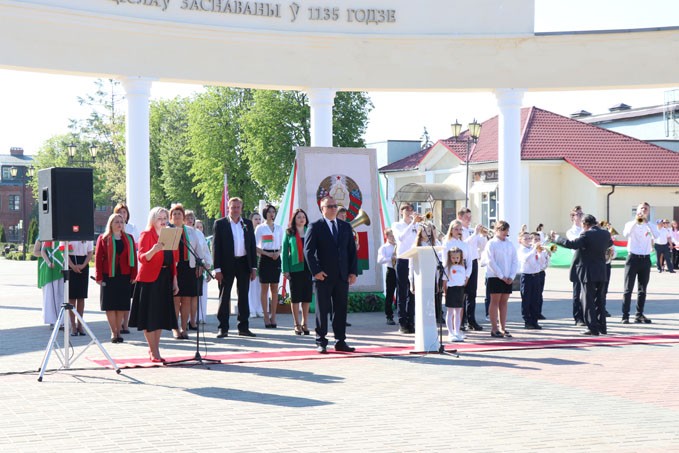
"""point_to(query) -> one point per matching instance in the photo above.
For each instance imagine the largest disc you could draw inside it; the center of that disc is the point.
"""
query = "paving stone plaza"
(595, 398)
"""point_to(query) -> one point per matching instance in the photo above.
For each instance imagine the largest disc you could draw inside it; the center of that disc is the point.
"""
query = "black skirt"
(187, 280)
(115, 293)
(301, 286)
(78, 282)
(497, 286)
(152, 304)
(269, 270)
(455, 296)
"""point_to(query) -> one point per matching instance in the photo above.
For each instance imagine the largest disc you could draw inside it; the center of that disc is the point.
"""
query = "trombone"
(607, 226)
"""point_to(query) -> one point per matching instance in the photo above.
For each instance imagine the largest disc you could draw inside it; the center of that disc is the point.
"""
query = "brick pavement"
(574, 399)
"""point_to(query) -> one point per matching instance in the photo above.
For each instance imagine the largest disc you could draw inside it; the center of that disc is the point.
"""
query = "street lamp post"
(72, 148)
(472, 137)
(28, 173)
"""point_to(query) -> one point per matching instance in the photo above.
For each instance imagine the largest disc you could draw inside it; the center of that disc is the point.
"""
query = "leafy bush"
(365, 302)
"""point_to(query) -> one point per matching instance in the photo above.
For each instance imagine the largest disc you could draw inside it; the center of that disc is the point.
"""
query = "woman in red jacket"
(152, 304)
(115, 270)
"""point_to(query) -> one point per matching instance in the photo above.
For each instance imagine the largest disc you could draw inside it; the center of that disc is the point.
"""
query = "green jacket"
(290, 254)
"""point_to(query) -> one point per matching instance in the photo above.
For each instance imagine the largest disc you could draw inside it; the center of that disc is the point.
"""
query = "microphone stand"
(439, 290)
(197, 358)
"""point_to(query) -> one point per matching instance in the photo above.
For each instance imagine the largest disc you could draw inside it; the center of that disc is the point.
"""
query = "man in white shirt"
(640, 234)
(476, 242)
(572, 234)
(405, 233)
(385, 257)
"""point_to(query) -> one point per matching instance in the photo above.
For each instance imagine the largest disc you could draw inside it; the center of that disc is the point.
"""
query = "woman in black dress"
(296, 269)
(115, 270)
(152, 306)
(79, 257)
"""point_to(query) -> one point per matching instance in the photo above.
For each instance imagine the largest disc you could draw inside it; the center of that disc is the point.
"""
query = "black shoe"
(641, 319)
(590, 333)
(463, 328)
(497, 334)
(192, 327)
(475, 326)
(580, 323)
(506, 334)
(603, 332)
(528, 326)
(541, 317)
(404, 329)
(124, 331)
(347, 324)
(608, 315)
(321, 349)
(390, 322)
(411, 329)
(221, 333)
(342, 346)
(625, 320)
(246, 333)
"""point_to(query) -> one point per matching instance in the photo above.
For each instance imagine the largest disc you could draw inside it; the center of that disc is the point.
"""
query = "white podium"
(423, 263)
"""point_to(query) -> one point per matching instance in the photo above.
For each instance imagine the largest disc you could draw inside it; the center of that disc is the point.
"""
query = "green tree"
(2, 233)
(32, 233)
(171, 155)
(278, 121)
(215, 140)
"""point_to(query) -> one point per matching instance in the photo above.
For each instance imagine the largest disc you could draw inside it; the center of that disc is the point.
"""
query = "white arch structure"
(324, 47)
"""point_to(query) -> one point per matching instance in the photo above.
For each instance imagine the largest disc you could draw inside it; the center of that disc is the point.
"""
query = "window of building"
(14, 202)
(489, 208)
(6, 175)
(448, 214)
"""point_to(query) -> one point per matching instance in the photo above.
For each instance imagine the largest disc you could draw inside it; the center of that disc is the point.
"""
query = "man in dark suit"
(330, 252)
(235, 256)
(590, 268)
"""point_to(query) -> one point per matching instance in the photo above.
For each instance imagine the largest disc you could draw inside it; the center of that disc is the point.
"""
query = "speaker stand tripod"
(53, 344)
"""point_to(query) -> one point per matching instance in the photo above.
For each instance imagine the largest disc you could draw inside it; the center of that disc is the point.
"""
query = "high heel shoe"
(298, 329)
(305, 329)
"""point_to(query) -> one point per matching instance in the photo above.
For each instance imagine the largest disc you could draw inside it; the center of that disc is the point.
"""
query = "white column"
(509, 158)
(138, 173)
(321, 101)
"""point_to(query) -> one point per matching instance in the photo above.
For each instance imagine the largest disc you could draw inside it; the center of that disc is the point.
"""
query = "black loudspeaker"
(66, 204)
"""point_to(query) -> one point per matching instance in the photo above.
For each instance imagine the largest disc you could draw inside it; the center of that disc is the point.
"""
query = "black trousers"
(637, 267)
(664, 251)
(530, 297)
(487, 298)
(331, 298)
(578, 314)
(391, 292)
(675, 258)
(470, 294)
(405, 299)
(541, 300)
(595, 312)
(241, 273)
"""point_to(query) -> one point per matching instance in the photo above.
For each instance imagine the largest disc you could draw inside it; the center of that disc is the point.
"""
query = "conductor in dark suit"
(330, 252)
(235, 257)
(590, 268)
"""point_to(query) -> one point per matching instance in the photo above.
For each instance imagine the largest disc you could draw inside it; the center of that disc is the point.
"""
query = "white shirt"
(675, 237)
(199, 246)
(132, 231)
(530, 261)
(274, 239)
(405, 235)
(452, 243)
(455, 275)
(574, 232)
(238, 237)
(664, 234)
(640, 237)
(501, 258)
(80, 248)
(385, 253)
(476, 243)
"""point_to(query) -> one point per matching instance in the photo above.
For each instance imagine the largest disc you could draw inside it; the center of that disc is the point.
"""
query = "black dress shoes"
(221, 333)
(580, 323)
(590, 333)
(342, 346)
(321, 349)
(246, 333)
(625, 320)
(641, 319)
(541, 317)
(390, 322)
(475, 326)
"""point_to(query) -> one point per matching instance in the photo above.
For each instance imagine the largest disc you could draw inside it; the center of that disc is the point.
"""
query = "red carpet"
(376, 351)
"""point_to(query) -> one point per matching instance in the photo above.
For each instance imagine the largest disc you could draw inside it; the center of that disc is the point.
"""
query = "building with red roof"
(564, 162)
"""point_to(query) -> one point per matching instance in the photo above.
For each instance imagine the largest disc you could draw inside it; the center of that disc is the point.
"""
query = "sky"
(34, 106)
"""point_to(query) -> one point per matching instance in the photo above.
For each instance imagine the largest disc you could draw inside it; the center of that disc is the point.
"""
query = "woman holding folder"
(152, 303)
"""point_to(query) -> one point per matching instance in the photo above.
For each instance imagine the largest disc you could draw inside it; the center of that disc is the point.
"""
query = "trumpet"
(641, 219)
(543, 247)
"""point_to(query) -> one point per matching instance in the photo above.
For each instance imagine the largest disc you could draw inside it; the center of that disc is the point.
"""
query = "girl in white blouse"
(502, 266)
(269, 238)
